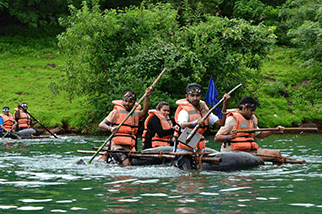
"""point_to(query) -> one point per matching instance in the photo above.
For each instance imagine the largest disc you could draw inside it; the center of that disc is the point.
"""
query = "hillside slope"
(27, 69)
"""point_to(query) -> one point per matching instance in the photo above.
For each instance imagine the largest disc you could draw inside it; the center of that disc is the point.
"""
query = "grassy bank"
(28, 66)
(27, 69)
(286, 92)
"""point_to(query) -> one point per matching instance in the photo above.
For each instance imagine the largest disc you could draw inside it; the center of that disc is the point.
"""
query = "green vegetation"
(287, 92)
(101, 54)
(27, 68)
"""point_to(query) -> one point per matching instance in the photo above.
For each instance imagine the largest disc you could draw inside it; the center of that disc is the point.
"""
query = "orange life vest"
(194, 114)
(244, 141)
(156, 140)
(126, 134)
(7, 121)
(24, 120)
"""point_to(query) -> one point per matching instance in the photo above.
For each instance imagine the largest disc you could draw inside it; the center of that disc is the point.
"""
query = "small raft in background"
(30, 134)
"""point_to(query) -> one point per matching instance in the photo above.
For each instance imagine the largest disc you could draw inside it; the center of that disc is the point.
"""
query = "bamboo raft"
(210, 160)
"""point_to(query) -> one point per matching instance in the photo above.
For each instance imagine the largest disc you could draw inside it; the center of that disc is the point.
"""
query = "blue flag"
(211, 97)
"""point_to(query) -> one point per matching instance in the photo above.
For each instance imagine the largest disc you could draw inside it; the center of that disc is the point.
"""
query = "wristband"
(192, 125)
(227, 138)
(107, 128)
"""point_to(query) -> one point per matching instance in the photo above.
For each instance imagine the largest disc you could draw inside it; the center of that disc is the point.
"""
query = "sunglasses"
(251, 106)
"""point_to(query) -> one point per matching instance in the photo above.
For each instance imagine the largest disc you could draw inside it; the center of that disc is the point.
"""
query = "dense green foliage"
(107, 52)
(113, 51)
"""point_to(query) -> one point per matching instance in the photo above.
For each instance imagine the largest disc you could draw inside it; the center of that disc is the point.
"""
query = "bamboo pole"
(281, 159)
(148, 155)
(154, 152)
(276, 129)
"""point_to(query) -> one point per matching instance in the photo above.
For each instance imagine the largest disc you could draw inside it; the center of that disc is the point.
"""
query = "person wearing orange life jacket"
(23, 118)
(243, 119)
(158, 128)
(7, 124)
(125, 137)
(189, 114)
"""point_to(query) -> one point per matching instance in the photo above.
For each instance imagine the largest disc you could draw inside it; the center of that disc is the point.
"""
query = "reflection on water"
(42, 175)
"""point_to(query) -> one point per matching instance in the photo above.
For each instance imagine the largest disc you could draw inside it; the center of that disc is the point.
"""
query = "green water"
(41, 176)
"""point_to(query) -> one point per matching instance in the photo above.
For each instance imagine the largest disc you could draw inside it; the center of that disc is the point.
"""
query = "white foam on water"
(78, 208)
(30, 208)
(58, 211)
(243, 200)
(113, 190)
(209, 193)
(5, 207)
(155, 194)
(128, 200)
(66, 201)
(187, 201)
(234, 189)
(146, 181)
(29, 200)
(261, 198)
(32, 183)
(123, 181)
(88, 188)
(302, 205)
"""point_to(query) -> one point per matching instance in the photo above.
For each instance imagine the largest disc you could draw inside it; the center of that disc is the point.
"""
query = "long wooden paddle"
(133, 109)
(279, 160)
(152, 155)
(38, 122)
(205, 117)
(276, 129)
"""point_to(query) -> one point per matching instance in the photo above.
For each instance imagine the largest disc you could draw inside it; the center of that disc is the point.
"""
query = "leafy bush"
(114, 51)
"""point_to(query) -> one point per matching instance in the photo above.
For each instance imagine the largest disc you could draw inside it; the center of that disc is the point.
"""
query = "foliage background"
(272, 47)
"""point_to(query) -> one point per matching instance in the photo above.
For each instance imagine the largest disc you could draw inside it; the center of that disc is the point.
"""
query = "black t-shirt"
(154, 126)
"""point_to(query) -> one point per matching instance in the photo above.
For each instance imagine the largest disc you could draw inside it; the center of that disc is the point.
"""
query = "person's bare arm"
(106, 124)
(223, 110)
(227, 132)
(264, 134)
(145, 109)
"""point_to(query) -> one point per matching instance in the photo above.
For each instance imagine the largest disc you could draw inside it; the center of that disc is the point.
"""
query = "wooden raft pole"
(276, 129)
(152, 155)
(281, 160)
(155, 152)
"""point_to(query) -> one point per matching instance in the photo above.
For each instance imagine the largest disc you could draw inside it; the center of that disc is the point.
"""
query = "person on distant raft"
(190, 113)
(125, 137)
(7, 124)
(158, 127)
(23, 118)
(243, 119)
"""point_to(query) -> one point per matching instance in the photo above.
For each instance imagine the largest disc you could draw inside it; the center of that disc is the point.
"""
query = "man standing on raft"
(190, 113)
(243, 119)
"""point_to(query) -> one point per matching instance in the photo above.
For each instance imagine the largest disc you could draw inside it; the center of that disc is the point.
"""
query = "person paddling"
(125, 137)
(23, 118)
(190, 113)
(7, 124)
(243, 119)
(158, 127)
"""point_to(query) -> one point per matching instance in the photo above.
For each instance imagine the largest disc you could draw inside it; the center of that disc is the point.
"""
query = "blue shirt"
(1, 123)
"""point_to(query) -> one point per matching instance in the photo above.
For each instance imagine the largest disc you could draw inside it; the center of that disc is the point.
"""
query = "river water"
(41, 176)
